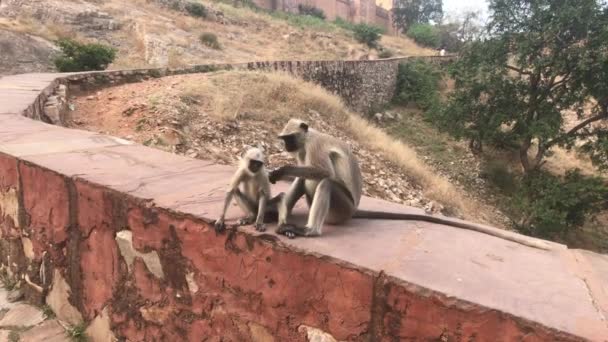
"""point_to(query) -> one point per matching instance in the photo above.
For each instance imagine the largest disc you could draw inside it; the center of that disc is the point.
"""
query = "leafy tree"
(425, 35)
(469, 26)
(448, 37)
(541, 59)
(418, 82)
(77, 56)
(549, 206)
(457, 31)
(409, 12)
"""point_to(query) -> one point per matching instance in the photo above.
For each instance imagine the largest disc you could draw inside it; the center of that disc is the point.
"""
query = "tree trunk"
(540, 154)
(523, 155)
(475, 146)
(536, 162)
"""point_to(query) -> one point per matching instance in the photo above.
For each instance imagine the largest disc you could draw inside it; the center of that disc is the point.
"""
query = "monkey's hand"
(219, 226)
(276, 174)
(260, 227)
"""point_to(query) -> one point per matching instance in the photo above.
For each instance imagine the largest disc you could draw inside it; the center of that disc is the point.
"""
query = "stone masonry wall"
(130, 269)
(363, 85)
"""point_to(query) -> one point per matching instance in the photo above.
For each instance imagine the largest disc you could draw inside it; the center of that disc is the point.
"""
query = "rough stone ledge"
(407, 280)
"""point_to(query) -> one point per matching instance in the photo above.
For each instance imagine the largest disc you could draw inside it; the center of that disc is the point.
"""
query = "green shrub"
(83, 57)
(418, 82)
(368, 34)
(196, 9)
(498, 174)
(175, 5)
(311, 10)
(303, 21)
(550, 206)
(347, 25)
(78, 333)
(386, 53)
(425, 35)
(242, 3)
(210, 40)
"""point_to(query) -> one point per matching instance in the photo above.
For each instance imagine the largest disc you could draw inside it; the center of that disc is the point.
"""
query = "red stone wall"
(232, 285)
(382, 19)
(357, 11)
(229, 287)
(344, 10)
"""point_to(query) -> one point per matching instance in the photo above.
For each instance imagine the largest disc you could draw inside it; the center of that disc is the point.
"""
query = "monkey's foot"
(246, 221)
(219, 226)
(291, 231)
(260, 227)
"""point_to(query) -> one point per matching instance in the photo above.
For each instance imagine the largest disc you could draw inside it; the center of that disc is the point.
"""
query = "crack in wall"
(581, 272)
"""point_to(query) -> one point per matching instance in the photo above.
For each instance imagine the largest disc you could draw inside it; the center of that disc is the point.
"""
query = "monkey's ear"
(304, 126)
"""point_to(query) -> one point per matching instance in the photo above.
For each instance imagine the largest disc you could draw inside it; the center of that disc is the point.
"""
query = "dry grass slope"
(262, 96)
(278, 97)
(435, 187)
(147, 34)
(266, 101)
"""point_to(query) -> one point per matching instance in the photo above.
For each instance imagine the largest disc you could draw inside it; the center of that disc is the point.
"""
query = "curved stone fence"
(363, 85)
(119, 236)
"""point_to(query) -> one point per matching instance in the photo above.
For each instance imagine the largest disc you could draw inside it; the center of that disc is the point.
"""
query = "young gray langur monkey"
(328, 174)
(251, 189)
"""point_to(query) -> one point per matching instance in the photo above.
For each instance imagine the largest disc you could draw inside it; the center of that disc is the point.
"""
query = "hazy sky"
(459, 5)
(451, 7)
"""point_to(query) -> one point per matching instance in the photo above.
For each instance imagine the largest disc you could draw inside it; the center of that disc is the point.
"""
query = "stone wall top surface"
(561, 289)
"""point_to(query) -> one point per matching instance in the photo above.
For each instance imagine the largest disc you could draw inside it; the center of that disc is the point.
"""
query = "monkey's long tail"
(502, 234)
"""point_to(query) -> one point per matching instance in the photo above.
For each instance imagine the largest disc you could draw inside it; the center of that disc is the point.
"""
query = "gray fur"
(335, 199)
(251, 192)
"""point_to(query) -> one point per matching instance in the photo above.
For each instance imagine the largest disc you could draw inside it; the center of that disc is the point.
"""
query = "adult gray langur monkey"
(251, 189)
(328, 174)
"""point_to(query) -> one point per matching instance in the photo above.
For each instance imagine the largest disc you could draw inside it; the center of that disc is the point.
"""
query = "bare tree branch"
(521, 71)
(573, 130)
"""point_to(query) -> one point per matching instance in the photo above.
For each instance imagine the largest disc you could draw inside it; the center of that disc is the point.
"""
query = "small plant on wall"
(311, 10)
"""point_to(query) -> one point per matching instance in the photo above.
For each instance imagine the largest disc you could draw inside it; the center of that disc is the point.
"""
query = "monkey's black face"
(291, 142)
(255, 165)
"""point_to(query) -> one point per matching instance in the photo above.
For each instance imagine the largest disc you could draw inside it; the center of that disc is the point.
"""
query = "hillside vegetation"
(214, 116)
(529, 99)
(157, 33)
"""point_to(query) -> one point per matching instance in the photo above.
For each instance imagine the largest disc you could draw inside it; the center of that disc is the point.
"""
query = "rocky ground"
(23, 53)
(160, 33)
(23, 322)
(178, 125)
